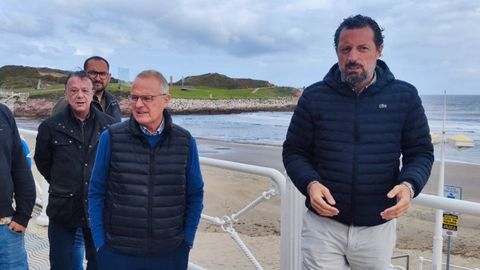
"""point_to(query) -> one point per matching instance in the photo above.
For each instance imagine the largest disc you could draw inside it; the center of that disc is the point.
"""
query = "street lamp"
(459, 142)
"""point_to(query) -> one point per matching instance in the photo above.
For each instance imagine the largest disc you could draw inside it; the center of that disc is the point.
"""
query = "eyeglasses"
(145, 99)
(94, 74)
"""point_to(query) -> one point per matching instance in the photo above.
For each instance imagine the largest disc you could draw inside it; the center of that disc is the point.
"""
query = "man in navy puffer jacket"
(343, 149)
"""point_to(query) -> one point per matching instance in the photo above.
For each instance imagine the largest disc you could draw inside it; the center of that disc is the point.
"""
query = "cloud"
(429, 43)
(23, 24)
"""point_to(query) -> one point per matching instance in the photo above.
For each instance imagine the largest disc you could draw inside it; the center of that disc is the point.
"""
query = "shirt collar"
(157, 132)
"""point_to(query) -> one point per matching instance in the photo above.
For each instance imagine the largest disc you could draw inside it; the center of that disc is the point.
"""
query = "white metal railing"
(225, 222)
(421, 260)
(292, 209)
(296, 199)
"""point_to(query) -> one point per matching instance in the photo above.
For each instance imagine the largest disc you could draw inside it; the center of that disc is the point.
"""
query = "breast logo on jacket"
(382, 106)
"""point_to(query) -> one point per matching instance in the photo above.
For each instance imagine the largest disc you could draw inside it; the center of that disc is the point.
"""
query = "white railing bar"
(422, 259)
(447, 204)
(276, 176)
(215, 220)
(266, 195)
(279, 182)
(192, 266)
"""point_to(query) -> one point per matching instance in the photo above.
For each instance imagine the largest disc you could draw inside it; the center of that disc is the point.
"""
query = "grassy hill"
(216, 80)
(208, 86)
(14, 77)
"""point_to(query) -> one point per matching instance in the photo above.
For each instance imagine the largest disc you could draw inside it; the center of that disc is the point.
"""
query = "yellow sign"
(450, 224)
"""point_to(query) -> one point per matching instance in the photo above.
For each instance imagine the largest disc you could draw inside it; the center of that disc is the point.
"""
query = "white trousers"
(329, 244)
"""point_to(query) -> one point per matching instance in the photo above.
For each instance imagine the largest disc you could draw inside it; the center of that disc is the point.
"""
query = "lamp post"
(437, 237)
(466, 143)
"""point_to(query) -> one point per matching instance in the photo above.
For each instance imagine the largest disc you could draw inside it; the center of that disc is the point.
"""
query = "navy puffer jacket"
(352, 143)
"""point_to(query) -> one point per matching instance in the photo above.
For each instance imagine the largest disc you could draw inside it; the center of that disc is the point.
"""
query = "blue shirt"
(98, 189)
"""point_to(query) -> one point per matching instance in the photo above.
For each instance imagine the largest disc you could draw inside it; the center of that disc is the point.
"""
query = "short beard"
(97, 91)
(354, 79)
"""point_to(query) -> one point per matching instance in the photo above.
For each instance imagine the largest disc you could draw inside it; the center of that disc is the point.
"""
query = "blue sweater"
(97, 192)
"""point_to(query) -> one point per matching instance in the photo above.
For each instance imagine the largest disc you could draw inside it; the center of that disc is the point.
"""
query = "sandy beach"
(226, 192)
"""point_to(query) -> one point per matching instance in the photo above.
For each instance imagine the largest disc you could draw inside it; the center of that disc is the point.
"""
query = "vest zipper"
(149, 201)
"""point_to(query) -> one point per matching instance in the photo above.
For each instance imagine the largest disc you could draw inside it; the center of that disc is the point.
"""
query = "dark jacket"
(112, 107)
(16, 180)
(352, 143)
(146, 194)
(64, 155)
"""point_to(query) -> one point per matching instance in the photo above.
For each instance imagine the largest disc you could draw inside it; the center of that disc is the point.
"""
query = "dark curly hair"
(96, 58)
(360, 21)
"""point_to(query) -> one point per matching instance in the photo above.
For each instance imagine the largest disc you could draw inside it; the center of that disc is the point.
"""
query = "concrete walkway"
(36, 242)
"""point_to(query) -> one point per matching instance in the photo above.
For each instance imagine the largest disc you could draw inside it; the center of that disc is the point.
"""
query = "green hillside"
(217, 80)
(14, 77)
(208, 86)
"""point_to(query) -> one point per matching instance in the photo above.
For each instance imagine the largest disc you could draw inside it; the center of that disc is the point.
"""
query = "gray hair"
(164, 88)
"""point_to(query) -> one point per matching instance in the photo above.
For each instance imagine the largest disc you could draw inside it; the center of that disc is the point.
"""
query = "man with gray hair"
(64, 155)
(146, 192)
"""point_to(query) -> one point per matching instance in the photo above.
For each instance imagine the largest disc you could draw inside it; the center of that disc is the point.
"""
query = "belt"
(5, 220)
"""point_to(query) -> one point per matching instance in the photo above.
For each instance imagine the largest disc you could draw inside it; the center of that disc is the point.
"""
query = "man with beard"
(97, 69)
(343, 150)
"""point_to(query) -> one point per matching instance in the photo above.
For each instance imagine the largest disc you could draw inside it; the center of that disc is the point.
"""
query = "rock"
(42, 107)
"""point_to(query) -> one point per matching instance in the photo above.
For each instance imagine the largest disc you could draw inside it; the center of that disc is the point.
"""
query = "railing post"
(42, 219)
(292, 210)
(420, 263)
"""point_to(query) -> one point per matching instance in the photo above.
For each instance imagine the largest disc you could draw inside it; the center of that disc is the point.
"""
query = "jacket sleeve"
(24, 185)
(43, 151)
(298, 147)
(194, 191)
(417, 148)
(97, 190)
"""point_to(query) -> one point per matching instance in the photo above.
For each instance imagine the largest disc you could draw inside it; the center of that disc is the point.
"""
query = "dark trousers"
(111, 259)
(63, 247)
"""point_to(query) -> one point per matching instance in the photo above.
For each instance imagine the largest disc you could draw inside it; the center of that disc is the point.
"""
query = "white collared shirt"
(157, 132)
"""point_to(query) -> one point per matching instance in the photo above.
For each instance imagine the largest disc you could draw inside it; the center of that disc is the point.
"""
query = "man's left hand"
(16, 227)
(402, 194)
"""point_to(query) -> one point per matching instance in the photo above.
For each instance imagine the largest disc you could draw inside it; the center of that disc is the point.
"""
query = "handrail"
(277, 177)
(296, 199)
(225, 222)
(292, 207)
(466, 207)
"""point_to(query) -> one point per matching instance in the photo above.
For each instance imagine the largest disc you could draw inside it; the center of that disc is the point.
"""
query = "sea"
(462, 117)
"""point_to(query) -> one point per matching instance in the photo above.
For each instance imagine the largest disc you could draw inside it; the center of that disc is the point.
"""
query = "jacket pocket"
(61, 206)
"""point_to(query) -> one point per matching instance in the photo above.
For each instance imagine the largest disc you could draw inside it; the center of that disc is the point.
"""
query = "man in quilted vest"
(358, 147)
(146, 192)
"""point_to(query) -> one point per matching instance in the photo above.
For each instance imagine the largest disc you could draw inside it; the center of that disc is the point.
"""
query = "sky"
(433, 44)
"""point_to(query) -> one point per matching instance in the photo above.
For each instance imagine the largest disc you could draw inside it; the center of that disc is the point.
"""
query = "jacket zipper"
(355, 157)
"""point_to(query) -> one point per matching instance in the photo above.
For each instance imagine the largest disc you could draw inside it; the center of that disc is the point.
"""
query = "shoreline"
(42, 107)
(218, 141)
